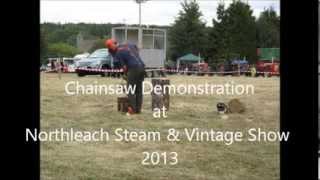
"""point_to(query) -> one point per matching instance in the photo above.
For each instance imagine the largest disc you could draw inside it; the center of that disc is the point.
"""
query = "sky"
(156, 12)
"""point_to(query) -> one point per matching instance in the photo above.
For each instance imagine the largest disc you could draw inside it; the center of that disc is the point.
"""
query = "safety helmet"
(111, 44)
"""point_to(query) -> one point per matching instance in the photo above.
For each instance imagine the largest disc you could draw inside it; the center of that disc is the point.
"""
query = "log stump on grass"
(161, 99)
(123, 103)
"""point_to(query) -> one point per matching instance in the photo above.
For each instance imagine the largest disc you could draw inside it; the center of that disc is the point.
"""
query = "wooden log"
(162, 99)
(123, 103)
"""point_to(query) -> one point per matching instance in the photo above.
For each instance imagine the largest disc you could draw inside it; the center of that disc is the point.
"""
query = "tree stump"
(123, 103)
(162, 99)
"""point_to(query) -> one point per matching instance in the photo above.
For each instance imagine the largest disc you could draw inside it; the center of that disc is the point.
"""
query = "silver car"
(99, 59)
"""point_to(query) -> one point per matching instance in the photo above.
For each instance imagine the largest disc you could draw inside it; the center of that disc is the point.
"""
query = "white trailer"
(150, 41)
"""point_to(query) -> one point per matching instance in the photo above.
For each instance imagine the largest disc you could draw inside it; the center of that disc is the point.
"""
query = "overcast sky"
(158, 12)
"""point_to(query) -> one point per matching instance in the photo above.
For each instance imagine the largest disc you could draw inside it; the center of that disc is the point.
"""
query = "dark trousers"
(135, 79)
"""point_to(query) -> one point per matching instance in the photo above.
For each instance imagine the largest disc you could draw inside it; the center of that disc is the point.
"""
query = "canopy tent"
(189, 58)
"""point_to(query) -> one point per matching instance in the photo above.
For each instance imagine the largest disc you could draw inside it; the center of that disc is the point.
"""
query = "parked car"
(99, 59)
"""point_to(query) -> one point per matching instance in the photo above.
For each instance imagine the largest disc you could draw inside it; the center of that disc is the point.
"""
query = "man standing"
(128, 57)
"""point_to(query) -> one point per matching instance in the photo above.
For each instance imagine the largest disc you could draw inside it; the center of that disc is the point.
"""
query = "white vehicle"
(81, 56)
(69, 65)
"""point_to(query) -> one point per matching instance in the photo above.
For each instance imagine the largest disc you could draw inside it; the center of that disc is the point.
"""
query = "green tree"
(188, 33)
(234, 33)
(98, 45)
(61, 50)
(43, 47)
(218, 38)
(268, 29)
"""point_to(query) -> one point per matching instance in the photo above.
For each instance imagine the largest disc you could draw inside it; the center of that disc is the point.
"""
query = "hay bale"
(235, 106)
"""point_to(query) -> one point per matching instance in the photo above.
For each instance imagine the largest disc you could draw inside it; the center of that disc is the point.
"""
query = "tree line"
(59, 40)
(235, 33)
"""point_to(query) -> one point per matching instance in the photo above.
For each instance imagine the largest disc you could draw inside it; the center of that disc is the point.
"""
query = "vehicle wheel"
(103, 75)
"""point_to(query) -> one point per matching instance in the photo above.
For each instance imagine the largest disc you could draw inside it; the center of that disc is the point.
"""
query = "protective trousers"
(135, 80)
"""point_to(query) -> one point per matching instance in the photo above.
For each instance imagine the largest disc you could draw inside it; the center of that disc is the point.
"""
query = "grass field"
(122, 160)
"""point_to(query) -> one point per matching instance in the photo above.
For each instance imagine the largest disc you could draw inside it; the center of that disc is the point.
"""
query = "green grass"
(122, 160)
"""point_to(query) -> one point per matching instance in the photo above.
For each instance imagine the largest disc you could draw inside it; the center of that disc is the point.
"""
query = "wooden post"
(59, 67)
(123, 103)
(163, 99)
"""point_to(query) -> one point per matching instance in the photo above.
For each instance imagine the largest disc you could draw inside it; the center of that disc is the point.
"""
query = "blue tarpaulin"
(241, 62)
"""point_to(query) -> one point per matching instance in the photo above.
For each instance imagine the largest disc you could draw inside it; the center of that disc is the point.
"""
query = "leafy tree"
(233, 34)
(61, 50)
(67, 33)
(43, 47)
(98, 45)
(268, 29)
(188, 33)
(218, 38)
